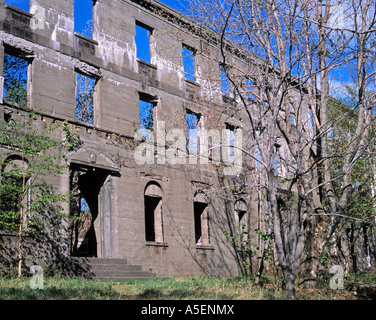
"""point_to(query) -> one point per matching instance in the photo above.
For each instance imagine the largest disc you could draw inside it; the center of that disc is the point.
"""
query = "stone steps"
(113, 269)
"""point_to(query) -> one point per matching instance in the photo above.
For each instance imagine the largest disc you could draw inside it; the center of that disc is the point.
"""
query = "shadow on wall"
(41, 248)
(211, 252)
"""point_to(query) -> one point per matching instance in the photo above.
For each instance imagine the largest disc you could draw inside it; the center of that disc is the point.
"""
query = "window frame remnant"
(230, 140)
(143, 42)
(147, 113)
(153, 213)
(189, 65)
(225, 87)
(201, 221)
(85, 87)
(18, 73)
(193, 126)
(249, 88)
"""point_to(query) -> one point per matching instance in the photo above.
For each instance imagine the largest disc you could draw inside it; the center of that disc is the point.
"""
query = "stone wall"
(111, 181)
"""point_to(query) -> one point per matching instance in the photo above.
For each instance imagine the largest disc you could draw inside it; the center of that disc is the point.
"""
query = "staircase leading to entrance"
(112, 269)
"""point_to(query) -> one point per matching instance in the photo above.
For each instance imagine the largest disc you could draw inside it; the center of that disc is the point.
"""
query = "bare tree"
(294, 50)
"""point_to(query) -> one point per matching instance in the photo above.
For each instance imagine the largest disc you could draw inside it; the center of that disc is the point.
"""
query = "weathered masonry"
(143, 67)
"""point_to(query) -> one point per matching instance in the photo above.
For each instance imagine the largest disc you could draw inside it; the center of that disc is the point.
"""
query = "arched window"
(201, 218)
(14, 193)
(153, 213)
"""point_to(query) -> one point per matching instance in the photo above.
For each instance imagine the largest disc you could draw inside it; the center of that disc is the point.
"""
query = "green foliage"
(343, 135)
(72, 139)
(324, 258)
(200, 288)
(34, 157)
(244, 247)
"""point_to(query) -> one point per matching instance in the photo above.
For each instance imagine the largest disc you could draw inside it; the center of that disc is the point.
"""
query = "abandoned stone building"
(149, 74)
(148, 195)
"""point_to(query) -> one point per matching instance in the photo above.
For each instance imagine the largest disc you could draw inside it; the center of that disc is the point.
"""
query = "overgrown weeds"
(200, 288)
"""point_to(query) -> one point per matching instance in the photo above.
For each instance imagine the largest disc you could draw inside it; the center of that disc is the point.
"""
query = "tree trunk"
(282, 248)
(262, 260)
(21, 220)
(290, 283)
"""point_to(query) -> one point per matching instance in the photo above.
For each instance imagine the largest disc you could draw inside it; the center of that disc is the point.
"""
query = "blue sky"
(176, 4)
(22, 4)
(83, 15)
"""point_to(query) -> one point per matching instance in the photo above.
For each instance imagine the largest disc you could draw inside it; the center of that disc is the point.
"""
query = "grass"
(201, 288)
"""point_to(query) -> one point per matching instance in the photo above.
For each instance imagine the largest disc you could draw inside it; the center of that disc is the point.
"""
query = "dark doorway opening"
(86, 184)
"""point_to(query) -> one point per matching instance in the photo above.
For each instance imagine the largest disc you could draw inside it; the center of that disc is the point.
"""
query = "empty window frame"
(188, 56)
(201, 220)
(20, 4)
(147, 113)
(143, 35)
(248, 87)
(257, 150)
(153, 214)
(230, 142)
(276, 161)
(85, 90)
(193, 120)
(83, 17)
(16, 79)
(224, 81)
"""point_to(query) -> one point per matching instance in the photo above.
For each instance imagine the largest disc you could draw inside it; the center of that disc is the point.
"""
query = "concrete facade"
(121, 193)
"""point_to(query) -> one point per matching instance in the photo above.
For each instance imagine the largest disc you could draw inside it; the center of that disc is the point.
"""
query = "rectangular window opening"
(249, 89)
(153, 219)
(20, 4)
(83, 17)
(143, 34)
(85, 90)
(16, 76)
(188, 56)
(147, 114)
(201, 220)
(224, 81)
(275, 161)
(230, 143)
(193, 120)
(257, 151)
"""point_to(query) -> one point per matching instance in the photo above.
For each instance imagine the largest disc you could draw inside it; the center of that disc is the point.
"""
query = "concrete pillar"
(106, 216)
